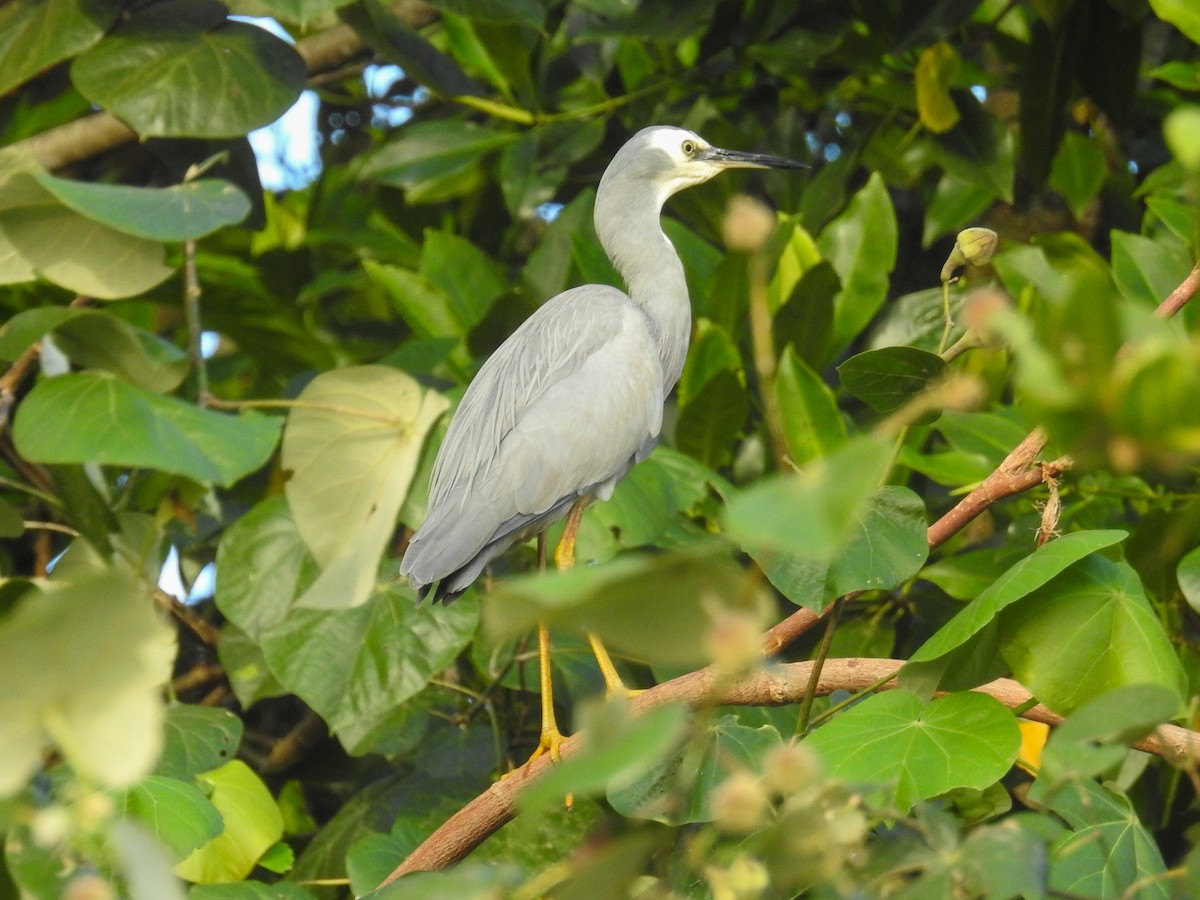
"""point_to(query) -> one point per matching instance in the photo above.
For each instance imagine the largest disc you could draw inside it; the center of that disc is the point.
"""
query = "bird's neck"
(654, 278)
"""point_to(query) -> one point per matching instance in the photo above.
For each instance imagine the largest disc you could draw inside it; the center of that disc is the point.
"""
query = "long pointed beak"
(737, 159)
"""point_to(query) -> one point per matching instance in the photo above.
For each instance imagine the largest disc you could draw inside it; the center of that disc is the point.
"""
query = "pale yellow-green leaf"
(82, 255)
(799, 255)
(1181, 128)
(253, 823)
(937, 68)
(352, 447)
(83, 663)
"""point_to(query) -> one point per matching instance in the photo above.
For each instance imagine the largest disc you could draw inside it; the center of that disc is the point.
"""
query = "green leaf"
(252, 824)
(428, 150)
(1094, 738)
(95, 338)
(12, 523)
(174, 811)
(1078, 171)
(262, 566)
(250, 890)
(711, 423)
(35, 35)
(1088, 632)
(888, 546)
(726, 746)
(1180, 13)
(610, 601)
(889, 378)
(1188, 573)
(920, 750)
(1108, 850)
(812, 424)
(100, 701)
(812, 514)
(78, 253)
(198, 738)
(96, 417)
(1146, 271)
(146, 72)
(466, 275)
(355, 667)
(182, 212)
(861, 245)
(962, 654)
(712, 351)
(352, 446)
(617, 748)
(955, 204)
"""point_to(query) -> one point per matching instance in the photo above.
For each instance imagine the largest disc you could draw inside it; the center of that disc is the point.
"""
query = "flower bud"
(973, 246)
(748, 225)
(739, 804)
(734, 641)
(789, 768)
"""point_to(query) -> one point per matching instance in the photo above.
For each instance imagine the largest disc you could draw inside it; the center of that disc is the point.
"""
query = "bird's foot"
(548, 745)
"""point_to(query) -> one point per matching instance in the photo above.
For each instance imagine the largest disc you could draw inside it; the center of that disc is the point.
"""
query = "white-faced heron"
(574, 398)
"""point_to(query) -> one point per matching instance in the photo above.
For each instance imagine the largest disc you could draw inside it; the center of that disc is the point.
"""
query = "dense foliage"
(202, 377)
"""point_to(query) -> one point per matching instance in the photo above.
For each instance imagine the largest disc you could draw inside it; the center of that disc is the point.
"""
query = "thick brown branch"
(96, 133)
(773, 686)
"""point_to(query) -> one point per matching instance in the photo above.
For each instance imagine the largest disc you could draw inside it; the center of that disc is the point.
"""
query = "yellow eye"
(689, 148)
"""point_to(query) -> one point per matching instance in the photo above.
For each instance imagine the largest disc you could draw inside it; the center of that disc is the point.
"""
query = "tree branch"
(771, 686)
(98, 132)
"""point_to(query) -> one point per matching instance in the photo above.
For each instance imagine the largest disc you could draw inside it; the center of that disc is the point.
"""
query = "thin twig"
(188, 616)
(810, 693)
(191, 310)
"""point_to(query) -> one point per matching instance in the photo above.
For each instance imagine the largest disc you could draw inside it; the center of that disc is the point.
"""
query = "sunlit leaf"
(888, 546)
(96, 417)
(1088, 632)
(252, 824)
(1180, 13)
(812, 424)
(861, 245)
(80, 254)
(176, 812)
(920, 750)
(352, 446)
(964, 652)
(812, 513)
(611, 601)
(100, 701)
(937, 68)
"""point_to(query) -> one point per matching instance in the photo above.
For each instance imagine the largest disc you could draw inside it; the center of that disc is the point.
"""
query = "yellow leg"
(564, 558)
(612, 679)
(551, 738)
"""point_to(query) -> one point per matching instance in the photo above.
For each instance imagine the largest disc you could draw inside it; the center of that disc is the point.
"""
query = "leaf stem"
(217, 403)
(814, 677)
(191, 310)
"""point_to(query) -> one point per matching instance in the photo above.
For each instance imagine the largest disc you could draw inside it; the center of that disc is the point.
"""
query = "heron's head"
(665, 160)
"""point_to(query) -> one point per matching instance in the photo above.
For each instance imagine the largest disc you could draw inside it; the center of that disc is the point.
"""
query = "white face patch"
(672, 142)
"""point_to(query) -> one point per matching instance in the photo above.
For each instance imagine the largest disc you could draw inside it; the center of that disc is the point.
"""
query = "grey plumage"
(574, 398)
